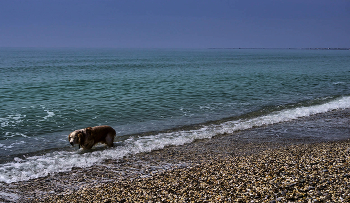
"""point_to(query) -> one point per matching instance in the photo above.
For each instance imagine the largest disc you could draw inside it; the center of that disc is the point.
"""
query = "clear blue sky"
(175, 23)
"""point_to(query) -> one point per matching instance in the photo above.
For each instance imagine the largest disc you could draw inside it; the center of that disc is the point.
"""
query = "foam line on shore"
(285, 115)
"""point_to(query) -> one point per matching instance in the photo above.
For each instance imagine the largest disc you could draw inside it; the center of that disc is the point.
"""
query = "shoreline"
(315, 171)
(270, 167)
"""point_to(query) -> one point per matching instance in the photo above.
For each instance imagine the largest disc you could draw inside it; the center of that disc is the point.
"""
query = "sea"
(153, 98)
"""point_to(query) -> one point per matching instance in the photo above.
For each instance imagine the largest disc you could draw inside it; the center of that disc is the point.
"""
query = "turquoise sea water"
(153, 98)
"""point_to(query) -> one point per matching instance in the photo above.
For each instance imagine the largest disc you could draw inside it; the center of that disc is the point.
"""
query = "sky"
(175, 23)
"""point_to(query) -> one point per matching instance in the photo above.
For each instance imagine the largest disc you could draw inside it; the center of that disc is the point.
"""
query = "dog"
(88, 137)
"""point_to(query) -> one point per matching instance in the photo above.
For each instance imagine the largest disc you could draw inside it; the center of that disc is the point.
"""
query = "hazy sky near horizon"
(175, 23)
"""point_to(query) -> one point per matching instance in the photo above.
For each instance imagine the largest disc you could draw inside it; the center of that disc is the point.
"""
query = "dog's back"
(103, 133)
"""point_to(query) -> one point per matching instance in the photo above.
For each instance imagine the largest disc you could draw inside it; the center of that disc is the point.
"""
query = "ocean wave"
(285, 115)
(26, 168)
(339, 83)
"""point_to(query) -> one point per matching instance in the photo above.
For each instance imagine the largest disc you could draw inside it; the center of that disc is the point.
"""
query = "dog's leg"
(89, 144)
(109, 140)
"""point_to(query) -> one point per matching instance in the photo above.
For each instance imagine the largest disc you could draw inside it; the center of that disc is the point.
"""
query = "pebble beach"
(226, 168)
(298, 173)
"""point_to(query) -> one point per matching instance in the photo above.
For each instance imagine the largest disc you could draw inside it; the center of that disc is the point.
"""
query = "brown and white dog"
(88, 137)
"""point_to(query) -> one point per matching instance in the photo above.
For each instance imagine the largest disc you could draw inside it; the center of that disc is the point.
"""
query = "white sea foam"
(12, 197)
(11, 134)
(49, 114)
(11, 120)
(339, 83)
(39, 166)
(285, 115)
(12, 145)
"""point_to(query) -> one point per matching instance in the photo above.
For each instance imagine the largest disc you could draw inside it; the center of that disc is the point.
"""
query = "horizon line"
(307, 48)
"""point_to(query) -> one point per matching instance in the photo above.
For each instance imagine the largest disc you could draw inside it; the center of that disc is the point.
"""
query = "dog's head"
(76, 137)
